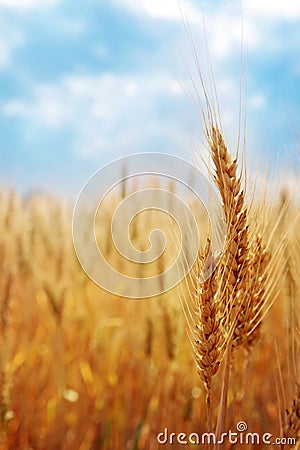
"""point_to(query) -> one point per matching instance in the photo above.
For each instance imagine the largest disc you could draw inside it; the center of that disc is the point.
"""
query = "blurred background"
(85, 82)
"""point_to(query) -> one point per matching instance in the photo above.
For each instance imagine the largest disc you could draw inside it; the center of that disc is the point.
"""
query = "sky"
(83, 83)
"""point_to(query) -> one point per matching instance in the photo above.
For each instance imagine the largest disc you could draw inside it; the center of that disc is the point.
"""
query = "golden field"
(83, 369)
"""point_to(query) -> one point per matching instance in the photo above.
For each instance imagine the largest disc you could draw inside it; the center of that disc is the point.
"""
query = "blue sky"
(85, 82)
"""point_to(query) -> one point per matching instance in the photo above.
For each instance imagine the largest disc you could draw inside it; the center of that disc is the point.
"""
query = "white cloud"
(253, 22)
(105, 114)
(227, 30)
(257, 101)
(116, 115)
(10, 38)
(273, 9)
(162, 9)
(170, 9)
(226, 26)
(25, 4)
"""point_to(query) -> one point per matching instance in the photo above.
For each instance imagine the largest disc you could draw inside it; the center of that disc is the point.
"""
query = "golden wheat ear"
(215, 301)
(208, 333)
(226, 310)
(233, 269)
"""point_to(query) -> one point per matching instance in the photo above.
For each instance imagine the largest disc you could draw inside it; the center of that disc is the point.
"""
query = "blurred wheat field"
(83, 369)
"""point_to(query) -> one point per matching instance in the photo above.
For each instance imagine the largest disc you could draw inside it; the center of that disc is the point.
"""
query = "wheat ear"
(214, 298)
